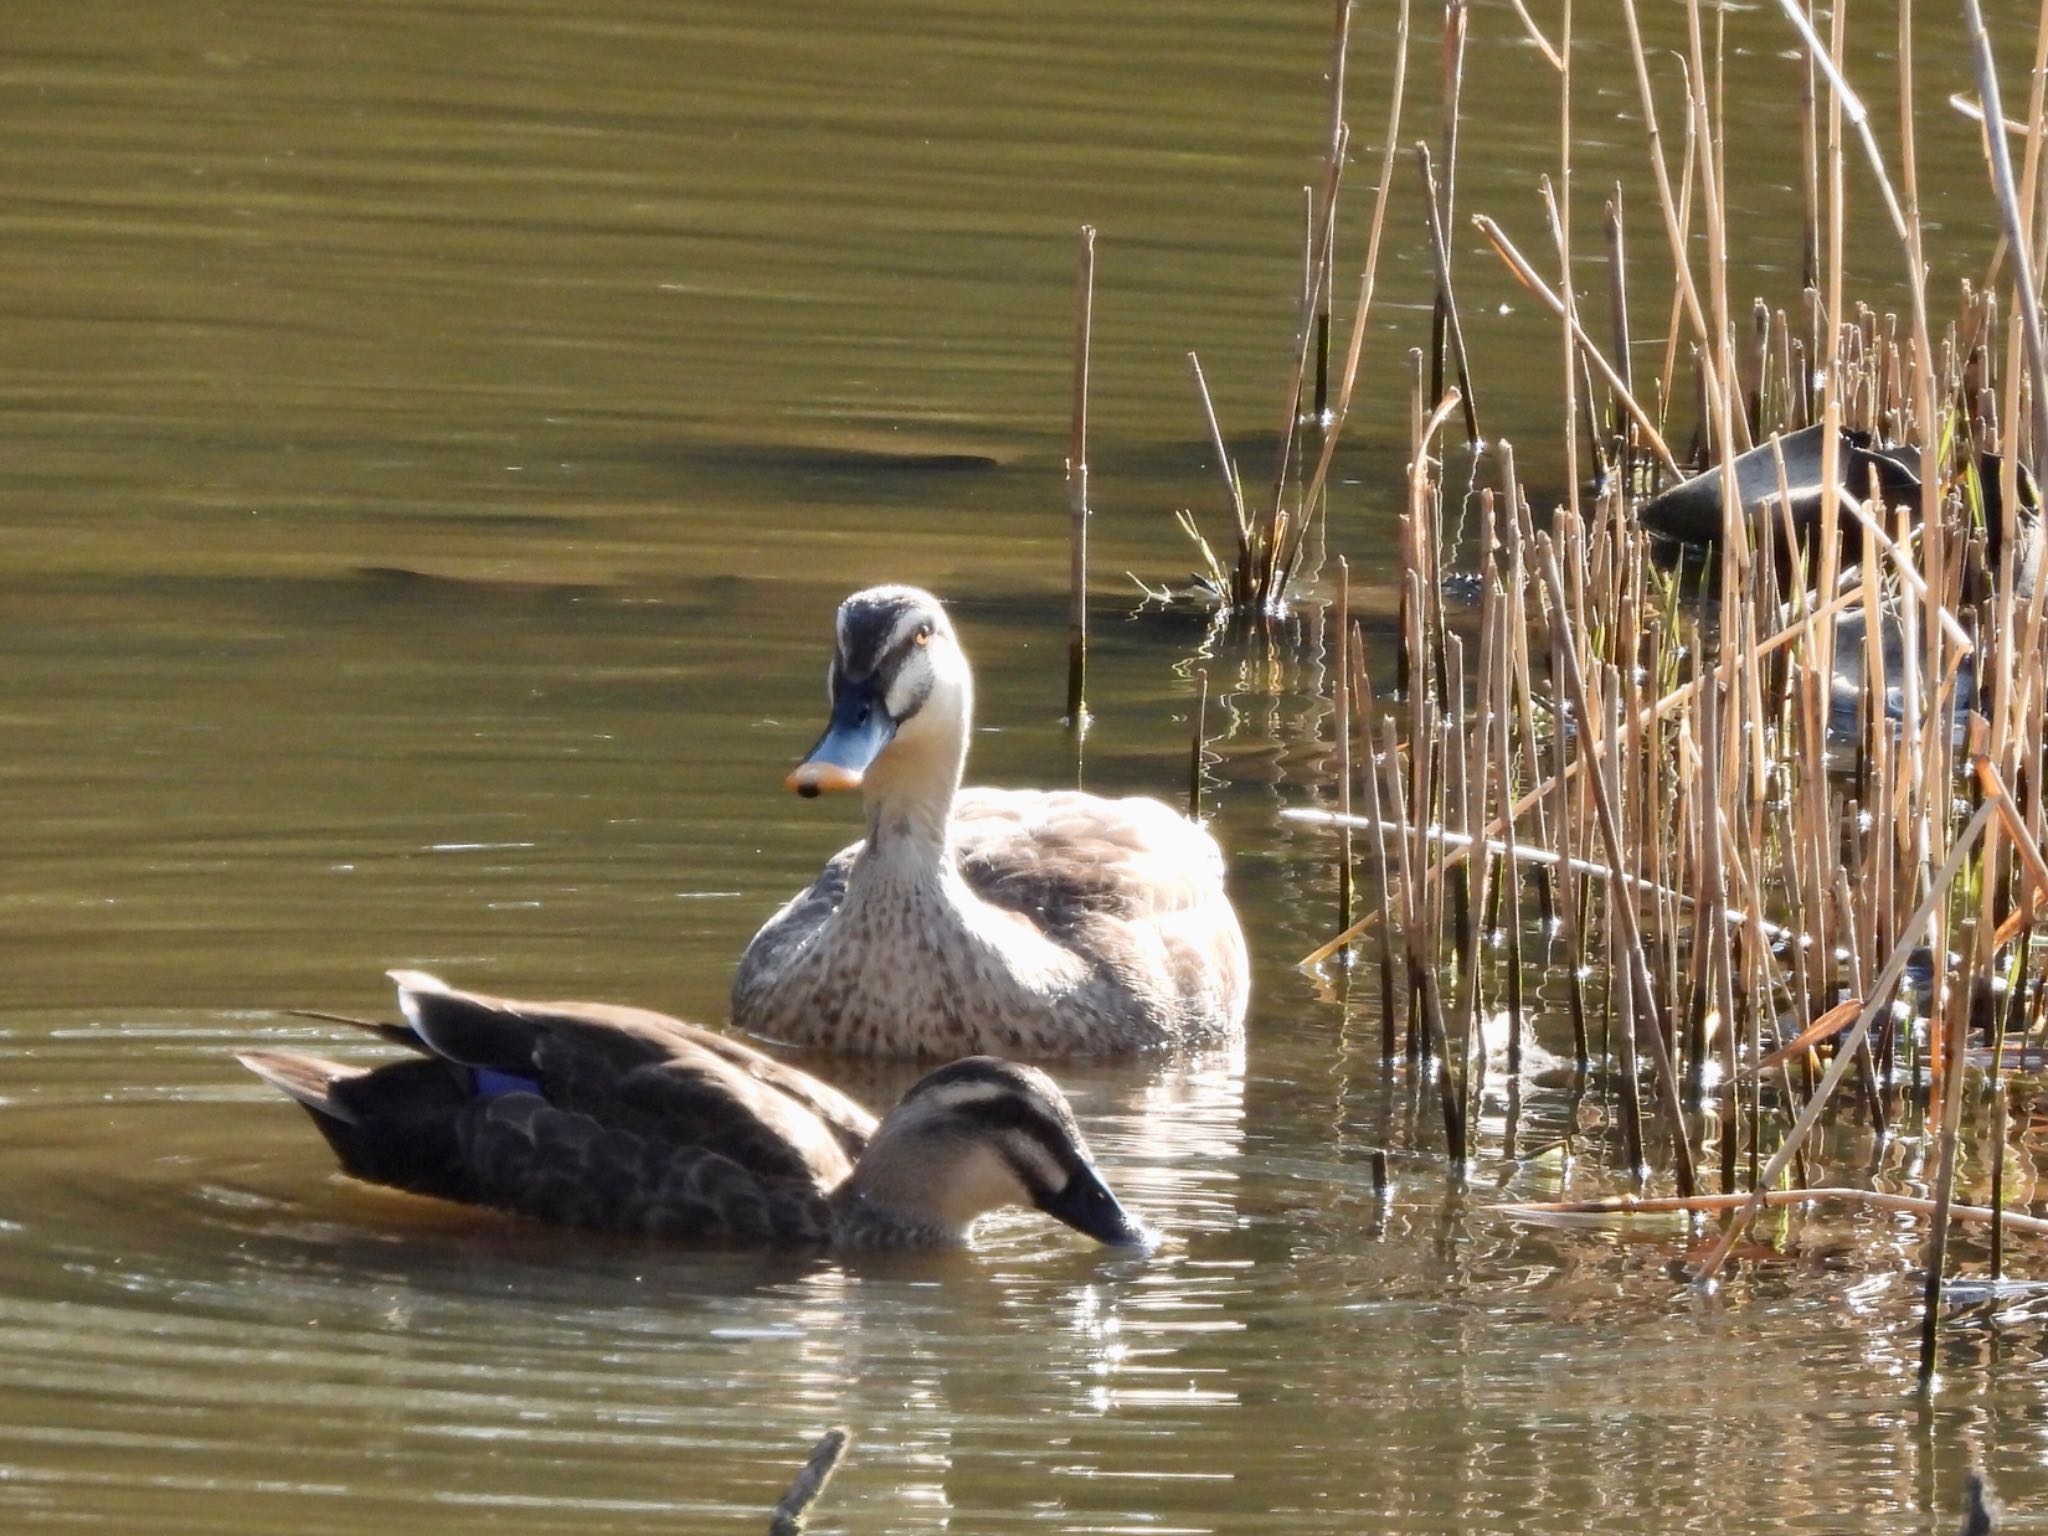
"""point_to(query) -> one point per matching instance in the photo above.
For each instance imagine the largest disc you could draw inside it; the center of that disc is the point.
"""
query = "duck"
(1687, 516)
(1027, 923)
(624, 1120)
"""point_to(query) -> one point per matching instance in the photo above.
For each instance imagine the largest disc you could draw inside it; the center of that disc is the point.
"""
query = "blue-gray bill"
(859, 729)
(1087, 1205)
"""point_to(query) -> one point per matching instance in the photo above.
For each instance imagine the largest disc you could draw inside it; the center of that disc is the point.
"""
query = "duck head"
(901, 697)
(979, 1135)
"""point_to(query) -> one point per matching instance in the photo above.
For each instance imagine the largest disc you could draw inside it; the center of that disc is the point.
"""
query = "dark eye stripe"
(1015, 1114)
(884, 664)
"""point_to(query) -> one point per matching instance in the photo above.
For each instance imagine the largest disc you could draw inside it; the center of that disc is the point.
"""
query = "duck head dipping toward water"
(1023, 922)
(628, 1121)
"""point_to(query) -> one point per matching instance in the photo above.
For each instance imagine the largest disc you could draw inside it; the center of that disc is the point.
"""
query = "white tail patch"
(411, 983)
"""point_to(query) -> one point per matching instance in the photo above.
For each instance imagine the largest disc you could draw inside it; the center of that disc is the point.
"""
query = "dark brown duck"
(625, 1120)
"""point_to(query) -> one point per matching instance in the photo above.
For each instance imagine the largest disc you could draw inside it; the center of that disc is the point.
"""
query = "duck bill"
(1087, 1205)
(859, 729)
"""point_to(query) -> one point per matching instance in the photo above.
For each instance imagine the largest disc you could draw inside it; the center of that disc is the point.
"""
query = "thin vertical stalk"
(1077, 488)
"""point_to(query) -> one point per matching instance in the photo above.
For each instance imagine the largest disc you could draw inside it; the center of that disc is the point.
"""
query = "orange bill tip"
(815, 778)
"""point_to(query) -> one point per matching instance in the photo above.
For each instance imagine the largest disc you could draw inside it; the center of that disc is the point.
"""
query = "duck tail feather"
(309, 1079)
(397, 1034)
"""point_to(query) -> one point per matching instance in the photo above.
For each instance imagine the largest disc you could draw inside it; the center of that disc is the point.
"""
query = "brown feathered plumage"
(629, 1121)
(1026, 922)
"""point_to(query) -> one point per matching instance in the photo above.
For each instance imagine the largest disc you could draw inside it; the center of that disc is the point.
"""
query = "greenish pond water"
(435, 438)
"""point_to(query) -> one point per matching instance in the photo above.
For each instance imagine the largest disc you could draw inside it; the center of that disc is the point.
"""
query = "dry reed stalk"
(1663, 707)
(1411, 905)
(1617, 314)
(1364, 713)
(1511, 862)
(1197, 747)
(1676, 232)
(1469, 886)
(1342, 706)
(1560, 211)
(1844, 1054)
(1077, 487)
(1453, 60)
(1457, 842)
(1516, 536)
(1354, 349)
(1440, 258)
(1240, 581)
(1623, 955)
(1637, 968)
(1319, 214)
(1704, 1205)
(1720, 958)
(1951, 1021)
(2016, 233)
(1340, 47)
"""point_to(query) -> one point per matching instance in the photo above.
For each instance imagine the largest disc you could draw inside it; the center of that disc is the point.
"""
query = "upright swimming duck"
(628, 1121)
(1029, 923)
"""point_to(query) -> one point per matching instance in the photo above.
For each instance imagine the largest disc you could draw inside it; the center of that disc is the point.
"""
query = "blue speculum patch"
(491, 1084)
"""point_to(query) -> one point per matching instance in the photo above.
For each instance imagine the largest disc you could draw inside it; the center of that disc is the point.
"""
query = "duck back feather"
(586, 1115)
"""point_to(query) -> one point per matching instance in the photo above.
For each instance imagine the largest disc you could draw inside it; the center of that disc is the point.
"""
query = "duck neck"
(861, 1220)
(908, 795)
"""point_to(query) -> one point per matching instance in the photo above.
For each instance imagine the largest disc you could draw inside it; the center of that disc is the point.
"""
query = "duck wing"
(589, 1115)
(781, 939)
(1130, 886)
(1061, 856)
(701, 1085)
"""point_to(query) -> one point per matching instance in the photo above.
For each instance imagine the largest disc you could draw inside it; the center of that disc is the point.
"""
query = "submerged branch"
(795, 1506)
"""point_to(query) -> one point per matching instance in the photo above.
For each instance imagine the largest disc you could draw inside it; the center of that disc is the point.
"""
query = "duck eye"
(924, 634)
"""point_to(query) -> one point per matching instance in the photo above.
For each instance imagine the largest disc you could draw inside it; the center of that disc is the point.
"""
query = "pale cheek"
(986, 1184)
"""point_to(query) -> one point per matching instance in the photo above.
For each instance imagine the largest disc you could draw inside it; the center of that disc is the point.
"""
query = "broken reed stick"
(1196, 748)
(1077, 488)
(1974, 111)
(794, 1507)
(1525, 853)
(1535, 33)
(1232, 491)
(1518, 265)
(1705, 1205)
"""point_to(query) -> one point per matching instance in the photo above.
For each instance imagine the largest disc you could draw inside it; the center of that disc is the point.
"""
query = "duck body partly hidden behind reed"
(625, 1120)
(1024, 922)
